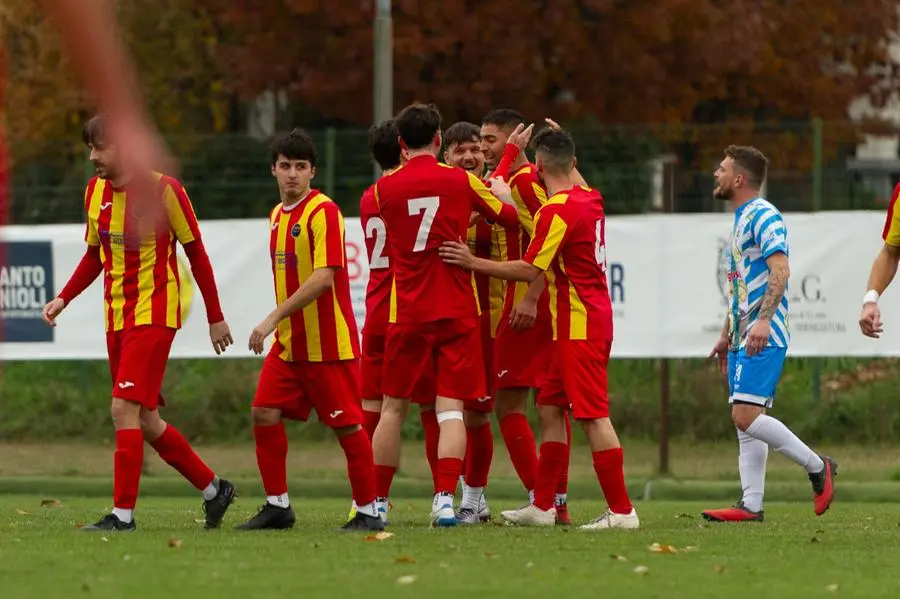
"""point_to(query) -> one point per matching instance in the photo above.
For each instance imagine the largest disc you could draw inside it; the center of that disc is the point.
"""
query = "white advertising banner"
(666, 280)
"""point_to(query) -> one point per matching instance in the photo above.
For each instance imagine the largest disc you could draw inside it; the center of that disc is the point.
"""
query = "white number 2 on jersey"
(600, 246)
(429, 206)
(375, 229)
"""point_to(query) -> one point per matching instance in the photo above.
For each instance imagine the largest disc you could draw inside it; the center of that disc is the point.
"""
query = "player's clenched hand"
(523, 315)
(720, 352)
(260, 333)
(500, 188)
(758, 337)
(220, 335)
(52, 310)
(870, 321)
(457, 253)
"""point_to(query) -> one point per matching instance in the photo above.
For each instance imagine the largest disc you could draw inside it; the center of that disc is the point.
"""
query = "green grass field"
(793, 554)
(850, 552)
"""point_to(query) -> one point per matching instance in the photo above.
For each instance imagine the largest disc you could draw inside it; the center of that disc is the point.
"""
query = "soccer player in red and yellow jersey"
(313, 362)
(131, 239)
(434, 307)
(524, 335)
(462, 141)
(884, 268)
(569, 246)
(384, 145)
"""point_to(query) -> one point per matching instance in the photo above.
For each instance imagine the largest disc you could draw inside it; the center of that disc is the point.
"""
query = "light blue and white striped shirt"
(759, 232)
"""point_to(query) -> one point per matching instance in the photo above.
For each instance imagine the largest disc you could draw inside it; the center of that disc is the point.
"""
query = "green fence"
(228, 176)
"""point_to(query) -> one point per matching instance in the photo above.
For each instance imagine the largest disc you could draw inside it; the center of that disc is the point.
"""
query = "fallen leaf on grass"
(51, 503)
(529, 565)
(80, 525)
(815, 540)
(641, 570)
(126, 558)
(199, 521)
(175, 543)
(689, 516)
(820, 532)
(832, 588)
(106, 540)
(618, 558)
(657, 548)
(405, 559)
(720, 569)
(490, 554)
(406, 579)
(23, 513)
(378, 536)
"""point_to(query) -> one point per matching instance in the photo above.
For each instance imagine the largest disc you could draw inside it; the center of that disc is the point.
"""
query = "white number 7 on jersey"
(429, 206)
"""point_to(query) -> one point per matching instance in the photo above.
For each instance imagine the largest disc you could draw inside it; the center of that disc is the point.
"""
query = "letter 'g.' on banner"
(666, 277)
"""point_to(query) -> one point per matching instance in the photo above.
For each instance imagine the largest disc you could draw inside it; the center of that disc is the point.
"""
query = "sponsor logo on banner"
(357, 271)
(26, 284)
(615, 281)
(807, 307)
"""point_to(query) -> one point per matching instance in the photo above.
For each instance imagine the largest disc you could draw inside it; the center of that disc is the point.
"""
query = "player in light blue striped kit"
(754, 340)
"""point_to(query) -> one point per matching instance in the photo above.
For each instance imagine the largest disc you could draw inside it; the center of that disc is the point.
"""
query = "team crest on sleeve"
(295, 230)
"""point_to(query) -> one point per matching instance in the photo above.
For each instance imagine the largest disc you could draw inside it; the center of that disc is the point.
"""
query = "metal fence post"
(330, 154)
(817, 206)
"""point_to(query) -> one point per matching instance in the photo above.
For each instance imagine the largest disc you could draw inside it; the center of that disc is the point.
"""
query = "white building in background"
(878, 155)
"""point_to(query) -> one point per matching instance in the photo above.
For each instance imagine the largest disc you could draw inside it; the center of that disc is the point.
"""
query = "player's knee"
(265, 416)
(475, 419)
(125, 414)
(509, 401)
(743, 416)
(394, 408)
(152, 425)
(345, 431)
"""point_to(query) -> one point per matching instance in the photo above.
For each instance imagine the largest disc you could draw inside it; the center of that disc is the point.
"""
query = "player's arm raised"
(495, 204)
(884, 269)
(87, 271)
(187, 231)
(327, 226)
(550, 233)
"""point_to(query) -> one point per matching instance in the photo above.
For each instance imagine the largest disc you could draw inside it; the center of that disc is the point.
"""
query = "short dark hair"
(295, 145)
(751, 161)
(418, 124)
(461, 132)
(556, 149)
(384, 144)
(93, 133)
(505, 118)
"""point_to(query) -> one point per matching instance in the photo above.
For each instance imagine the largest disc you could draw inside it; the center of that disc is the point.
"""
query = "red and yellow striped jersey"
(489, 242)
(137, 249)
(891, 232)
(304, 238)
(529, 194)
(569, 244)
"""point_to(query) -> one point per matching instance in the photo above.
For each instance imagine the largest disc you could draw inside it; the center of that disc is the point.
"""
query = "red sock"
(550, 466)
(370, 421)
(384, 477)
(129, 460)
(271, 457)
(360, 466)
(608, 466)
(563, 487)
(448, 470)
(432, 434)
(479, 454)
(519, 441)
(174, 449)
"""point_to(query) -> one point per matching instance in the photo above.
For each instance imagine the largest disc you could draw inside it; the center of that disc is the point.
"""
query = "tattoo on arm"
(775, 287)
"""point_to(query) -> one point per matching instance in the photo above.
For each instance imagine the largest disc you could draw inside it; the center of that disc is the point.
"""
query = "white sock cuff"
(449, 415)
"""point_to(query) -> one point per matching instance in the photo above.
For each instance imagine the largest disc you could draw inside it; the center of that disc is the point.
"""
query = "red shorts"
(137, 363)
(371, 373)
(521, 358)
(485, 404)
(295, 388)
(450, 348)
(576, 379)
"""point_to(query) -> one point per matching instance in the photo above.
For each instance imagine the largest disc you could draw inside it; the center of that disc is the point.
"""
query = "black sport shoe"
(216, 507)
(270, 517)
(364, 522)
(111, 522)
